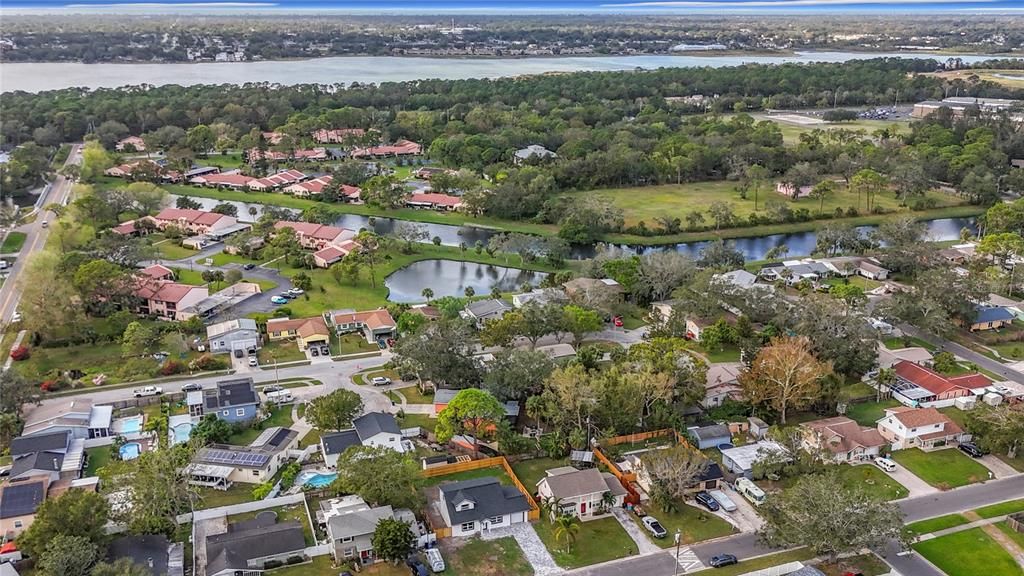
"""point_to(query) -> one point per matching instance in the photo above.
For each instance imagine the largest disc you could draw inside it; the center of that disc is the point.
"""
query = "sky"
(922, 7)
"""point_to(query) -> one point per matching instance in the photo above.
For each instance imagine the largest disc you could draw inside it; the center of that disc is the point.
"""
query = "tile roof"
(373, 319)
(224, 179)
(317, 185)
(936, 383)
(846, 433)
(334, 253)
(337, 135)
(157, 271)
(189, 215)
(398, 148)
(318, 231)
(434, 199)
(282, 178)
(165, 290)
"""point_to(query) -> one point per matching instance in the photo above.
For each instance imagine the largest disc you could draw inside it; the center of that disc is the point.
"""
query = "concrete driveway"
(998, 468)
(915, 485)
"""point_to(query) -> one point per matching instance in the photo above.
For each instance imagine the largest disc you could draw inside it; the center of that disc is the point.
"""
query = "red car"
(617, 321)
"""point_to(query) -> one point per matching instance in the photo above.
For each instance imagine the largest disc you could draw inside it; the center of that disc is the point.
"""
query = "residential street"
(36, 235)
(981, 360)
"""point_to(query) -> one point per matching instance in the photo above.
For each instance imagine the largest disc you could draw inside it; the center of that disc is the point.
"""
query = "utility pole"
(679, 540)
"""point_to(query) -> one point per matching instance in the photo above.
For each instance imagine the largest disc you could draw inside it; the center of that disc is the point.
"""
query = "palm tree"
(607, 501)
(567, 527)
(469, 292)
(253, 211)
(427, 293)
(548, 508)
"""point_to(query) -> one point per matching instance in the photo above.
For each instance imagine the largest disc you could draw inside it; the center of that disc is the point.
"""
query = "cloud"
(778, 3)
(176, 5)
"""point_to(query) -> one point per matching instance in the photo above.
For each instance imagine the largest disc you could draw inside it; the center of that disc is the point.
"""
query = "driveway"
(533, 549)
(643, 543)
(998, 468)
(911, 482)
(744, 518)
(204, 528)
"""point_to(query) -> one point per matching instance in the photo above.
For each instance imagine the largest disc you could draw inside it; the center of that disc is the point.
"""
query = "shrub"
(49, 386)
(172, 367)
(295, 560)
(272, 564)
(208, 362)
(20, 353)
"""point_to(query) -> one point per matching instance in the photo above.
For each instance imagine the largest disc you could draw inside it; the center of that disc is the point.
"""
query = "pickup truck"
(147, 391)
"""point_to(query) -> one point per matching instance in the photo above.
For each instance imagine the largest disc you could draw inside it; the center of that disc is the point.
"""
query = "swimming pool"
(315, 479)
(131, 425)
(130, 451)
(182, 432)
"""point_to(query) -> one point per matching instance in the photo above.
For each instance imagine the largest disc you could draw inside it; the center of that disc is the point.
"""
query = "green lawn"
(944, 469)
(419, 420)
(237, 494)
(531, 471)
(280, 350)
(695, 525)
(936, 524)
(13, 242)
(866, 564)
(284, 514)
(312, 437)
(170, 250)
(414, 396)
(1013, 534)
(968, 553)
(193, 277)
(597, 541)
(647, 203)
(281, 416)
(956, 415)
(727, 353)
(476, 557)
(906, 342)
(351, 344)
(98, 458)
(92, 359)
(791, 132)
(496, 472)
(867, 413)
(1001, 509)
(761, 563)
(872, 480)
(222, 258)
(856, 390)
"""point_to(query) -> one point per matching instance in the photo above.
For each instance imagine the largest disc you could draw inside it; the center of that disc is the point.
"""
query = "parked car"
(971, 449)
(380, 381)
(296, 291)
(885, 464)
(239, 353)
(253, 361)
(325, 350)
(147, 391)
(705, 500)
(416, 567)
(277, 300)
(192, 387)
(250, 351)
(435, 559)
(287, 295)
(654, 527)
(46, 224)
(248, 266)
(723, 500)
(617, 321)
(382, 344)
(723, 560)
(273, 388)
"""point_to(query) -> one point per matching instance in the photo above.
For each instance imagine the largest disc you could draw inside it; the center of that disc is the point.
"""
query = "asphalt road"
(35, 238)
(746, 545)
(985, 362)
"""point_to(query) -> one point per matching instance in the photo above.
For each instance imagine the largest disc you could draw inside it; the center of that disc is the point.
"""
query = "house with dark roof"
(154, 552)
(481, 311)
(582, 493)
(233, 400)
(990, 318)
(247, 547)
(19, 500)
(377, 429)
(471, 506)
(221, 465)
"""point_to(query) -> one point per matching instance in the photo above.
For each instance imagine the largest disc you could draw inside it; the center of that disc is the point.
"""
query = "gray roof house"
(711, 436)
(233, 400)
(481, 311)
(156, 552)
(230, 335)
(57, 454)
(471, 506)
(249, 545)
(350, 525)
(533, 151)
(371, 429)
(738, 278)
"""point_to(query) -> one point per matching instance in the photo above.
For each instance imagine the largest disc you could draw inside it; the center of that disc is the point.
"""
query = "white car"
(885, 464)
(654, 527)
(253, 361)
(380, 381)
(296, 291)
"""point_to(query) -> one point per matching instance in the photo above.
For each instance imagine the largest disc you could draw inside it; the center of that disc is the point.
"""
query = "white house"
(473, 506)
(582, 492)
(376, 429)
(907, 427)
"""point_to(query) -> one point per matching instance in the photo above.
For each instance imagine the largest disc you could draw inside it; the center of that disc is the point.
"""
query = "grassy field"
(867, 413)
(280, 350)
(968, 553)
(170, 250)
(906, 342)
(597, 541)
(281, 416)
(98, 458)
(791, 132)
(695, 525)
(13, 242)
(237, 494)
(531, 471)
(476, 557)
(937, 524)
(989, 75)
(647, 203)
(312, 437)
(1001, 509)
(944, 469)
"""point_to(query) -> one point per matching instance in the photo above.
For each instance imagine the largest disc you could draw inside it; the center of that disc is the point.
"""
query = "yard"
(695, 524)
(13, 242)
(936, 524)
(237, 494)
(866, 564)
(223, 258)
(968, 553)
(281, 416)
(495, 471)
(171, 250)
(320, 566)
(412, 394)
(419, 420)
(648, 203)
(597, 541)
(312, 437)
(867, 413)
(351, 344)
(1013, 534)
(1001, 509)
(906, 342)
(284, 514)
(476, 557)
(531, 471)
(943, 469)
(761, 563)
(873, 480)
(280, 350)
(98, 458)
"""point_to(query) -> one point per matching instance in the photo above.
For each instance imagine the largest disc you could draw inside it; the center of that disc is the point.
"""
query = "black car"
(416, 567)
(971, 449)
(288, 295)
(723, 560)
(248, 266)
(707, 501)
(192, 387)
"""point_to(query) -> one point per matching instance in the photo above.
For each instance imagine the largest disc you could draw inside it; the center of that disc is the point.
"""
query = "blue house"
(232, 401)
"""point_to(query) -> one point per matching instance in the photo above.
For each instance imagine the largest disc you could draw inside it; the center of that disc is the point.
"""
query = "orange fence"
(641, 436)
(627, 479)
(498, 461)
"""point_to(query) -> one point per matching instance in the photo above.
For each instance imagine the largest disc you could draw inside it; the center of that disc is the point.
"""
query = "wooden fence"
(496, 462)
(641, 436)
(628, 479)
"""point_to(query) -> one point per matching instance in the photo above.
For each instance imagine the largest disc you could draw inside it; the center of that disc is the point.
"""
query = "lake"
(38, 77)
(752, 247)
(451, 278)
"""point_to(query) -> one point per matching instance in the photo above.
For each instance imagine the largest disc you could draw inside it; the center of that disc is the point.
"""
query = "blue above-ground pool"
(130, 451)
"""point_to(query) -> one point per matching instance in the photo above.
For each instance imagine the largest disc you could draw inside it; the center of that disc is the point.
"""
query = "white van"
(750, 491)
(885, 464)
(280, 396)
